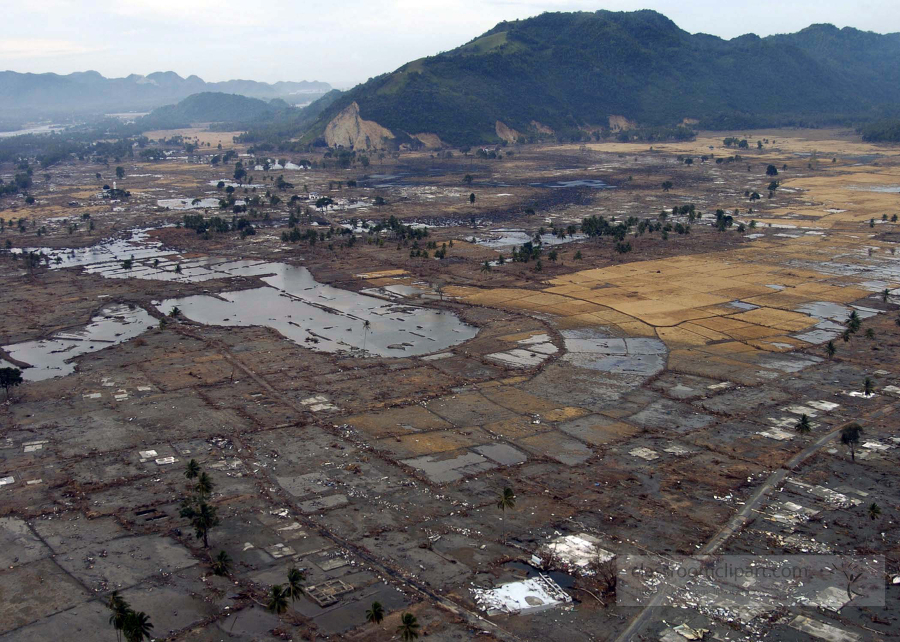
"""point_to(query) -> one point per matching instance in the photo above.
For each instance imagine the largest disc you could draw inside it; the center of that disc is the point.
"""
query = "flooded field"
(363, 397)
(314, 315)
(54, 357)
(324, 317)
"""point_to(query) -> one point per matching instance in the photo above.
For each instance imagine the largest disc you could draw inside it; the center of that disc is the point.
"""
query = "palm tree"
(869, 387)
(870, 333)
(884, 295)
(830, 349)
(507, 500)
(874, 511)
(222, 564)
(366, 325)
(192, 469)
(277, 600)
(203, 518)
(853, 321)
(137, 626)
(486, 266)
(803, 426)
(409, 627)
(375, 614)
(295, 579)
(120, 610)
(204, 486)
(850, 437)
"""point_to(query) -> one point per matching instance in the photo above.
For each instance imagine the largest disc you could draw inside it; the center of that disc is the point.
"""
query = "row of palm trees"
(203, 515)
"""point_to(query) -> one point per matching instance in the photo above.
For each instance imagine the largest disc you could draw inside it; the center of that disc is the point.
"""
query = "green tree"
(409, 627)
(119, 611)
(375, 613)
(506, 500)
(486, 266)
(771, 170)
(366, 326)
(120, 172)
(830, 349)
(850, 435)
(295, 579)
(803, 426)
(222, 564)
(667, 185)
(137, 626)
(868, 387)
(874, 511)
(278, 600)
(192, 469)
(472, 199)
(203, 518)
(870, 333)
(884, 295)
(467, 179)
(204, 485)
(853, 321)
(10, 378)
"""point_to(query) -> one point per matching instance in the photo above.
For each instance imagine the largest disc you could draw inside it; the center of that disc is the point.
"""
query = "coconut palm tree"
(506, 500)
(830, 349)
(874, 511)
(192, 469)
(278, 600)
(119, 611)
(409, 627)
(375, 614)
(884, 295)
(803, 426)
(868, 387)
(222, 564)
(203, 518)
(137, 626)
(853, 321)
(204, 485)
(850, 437)
(295, 579)
(870, 333)
(366, 325)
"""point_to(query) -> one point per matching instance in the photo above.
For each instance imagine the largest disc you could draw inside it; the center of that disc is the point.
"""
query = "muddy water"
(509, 238)
(312, 314)
(53, 357)
(323, 317)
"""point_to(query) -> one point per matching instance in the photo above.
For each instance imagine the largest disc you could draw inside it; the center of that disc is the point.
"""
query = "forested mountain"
(571, 72)
(47, 95)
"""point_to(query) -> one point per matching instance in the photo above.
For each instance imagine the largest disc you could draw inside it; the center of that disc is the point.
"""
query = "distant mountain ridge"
(88, 92)
(571, 73)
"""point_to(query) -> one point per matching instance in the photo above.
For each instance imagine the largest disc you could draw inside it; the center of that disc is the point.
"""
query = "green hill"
(211, 107)
(572, 71)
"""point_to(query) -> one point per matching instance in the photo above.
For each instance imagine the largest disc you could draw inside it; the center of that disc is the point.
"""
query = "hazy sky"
(339, 41)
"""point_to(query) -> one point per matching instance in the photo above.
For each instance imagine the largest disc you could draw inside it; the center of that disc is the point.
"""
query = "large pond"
(315, 315)
(53, 357)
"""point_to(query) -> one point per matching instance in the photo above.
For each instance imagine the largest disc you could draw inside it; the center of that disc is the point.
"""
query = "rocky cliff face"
(350, 130)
